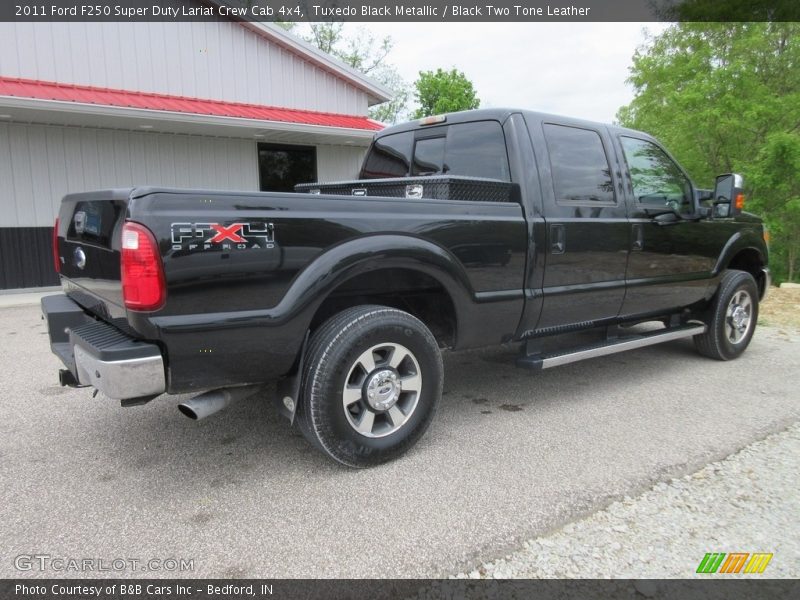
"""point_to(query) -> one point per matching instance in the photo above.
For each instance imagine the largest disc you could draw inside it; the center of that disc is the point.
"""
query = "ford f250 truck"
(542, 226)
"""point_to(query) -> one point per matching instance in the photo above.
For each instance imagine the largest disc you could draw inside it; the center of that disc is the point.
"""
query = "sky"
(573, 69)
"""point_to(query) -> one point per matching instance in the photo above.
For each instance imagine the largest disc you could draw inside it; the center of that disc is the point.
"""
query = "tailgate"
(88, 244)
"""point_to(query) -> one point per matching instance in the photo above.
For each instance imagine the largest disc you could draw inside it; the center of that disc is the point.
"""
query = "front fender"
(741, 240)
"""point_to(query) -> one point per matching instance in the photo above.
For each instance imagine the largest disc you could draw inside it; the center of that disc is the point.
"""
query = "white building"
(225, 105)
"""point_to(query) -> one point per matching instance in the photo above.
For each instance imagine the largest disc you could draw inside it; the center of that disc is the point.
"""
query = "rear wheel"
(371, 385)
(731, 318)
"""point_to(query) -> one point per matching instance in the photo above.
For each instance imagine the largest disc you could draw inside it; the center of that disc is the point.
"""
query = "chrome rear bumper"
(100, 355)
(121, 379)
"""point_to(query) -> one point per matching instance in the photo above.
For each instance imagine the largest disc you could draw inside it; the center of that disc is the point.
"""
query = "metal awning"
(37, 101)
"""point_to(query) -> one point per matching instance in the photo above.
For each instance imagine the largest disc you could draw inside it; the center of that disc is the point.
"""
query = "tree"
(716, 94)
(443, 92)
(396, 109)
(363, 52)
(727, 10)
(776, 186)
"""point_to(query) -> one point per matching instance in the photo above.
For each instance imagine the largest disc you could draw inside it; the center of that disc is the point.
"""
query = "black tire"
(724, 340)
(335, 363)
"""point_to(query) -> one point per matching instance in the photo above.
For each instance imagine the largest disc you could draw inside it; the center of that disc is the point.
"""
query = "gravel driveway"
(511, 456)
(745, 503)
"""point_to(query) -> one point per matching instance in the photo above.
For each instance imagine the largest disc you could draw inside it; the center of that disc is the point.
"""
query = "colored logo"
(734, 562)
(208, 236)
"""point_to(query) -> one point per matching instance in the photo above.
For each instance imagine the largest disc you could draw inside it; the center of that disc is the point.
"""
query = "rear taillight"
(56, 257)
(143, 284)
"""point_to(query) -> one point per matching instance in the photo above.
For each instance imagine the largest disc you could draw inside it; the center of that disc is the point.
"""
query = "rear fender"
(277, 333)
(340, 264)
(350, 259)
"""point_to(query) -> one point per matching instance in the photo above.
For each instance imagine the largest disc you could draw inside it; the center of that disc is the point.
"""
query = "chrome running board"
(631, 342)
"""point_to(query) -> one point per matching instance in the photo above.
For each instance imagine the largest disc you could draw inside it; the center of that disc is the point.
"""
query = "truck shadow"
(250, 439)
(474, 376)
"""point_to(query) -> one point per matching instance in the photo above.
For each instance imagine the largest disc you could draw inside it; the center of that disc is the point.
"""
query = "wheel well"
(405, 289)
(750, 260)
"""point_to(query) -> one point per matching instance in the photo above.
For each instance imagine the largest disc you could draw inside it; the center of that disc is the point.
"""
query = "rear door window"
(578, 162)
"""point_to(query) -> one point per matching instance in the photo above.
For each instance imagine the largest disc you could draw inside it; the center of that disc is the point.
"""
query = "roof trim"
(178, 107)
(174, 117)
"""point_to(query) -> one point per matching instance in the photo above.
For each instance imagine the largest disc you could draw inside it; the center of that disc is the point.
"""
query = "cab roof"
(501, 114)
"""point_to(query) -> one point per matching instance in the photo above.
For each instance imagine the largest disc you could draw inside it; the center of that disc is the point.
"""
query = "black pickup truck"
(465, 230)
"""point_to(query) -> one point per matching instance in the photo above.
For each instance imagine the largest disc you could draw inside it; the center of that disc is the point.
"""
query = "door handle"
(558, 243)
(638, 237)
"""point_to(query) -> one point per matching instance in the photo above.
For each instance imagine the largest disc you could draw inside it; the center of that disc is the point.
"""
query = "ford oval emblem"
(80, 257)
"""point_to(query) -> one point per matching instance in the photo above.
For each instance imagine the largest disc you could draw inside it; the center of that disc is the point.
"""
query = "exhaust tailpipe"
(207, 403)
(66, 378)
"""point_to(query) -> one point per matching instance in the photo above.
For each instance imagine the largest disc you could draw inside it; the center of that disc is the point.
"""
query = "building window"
(281, 167)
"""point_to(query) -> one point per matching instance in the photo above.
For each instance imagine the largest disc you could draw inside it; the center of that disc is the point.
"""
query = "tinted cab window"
(655, 178)
(429, 156)
(475, 149)
(580, 169)
(389, 156)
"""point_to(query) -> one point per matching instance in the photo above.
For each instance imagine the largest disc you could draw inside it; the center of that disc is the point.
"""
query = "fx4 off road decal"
(236, 236)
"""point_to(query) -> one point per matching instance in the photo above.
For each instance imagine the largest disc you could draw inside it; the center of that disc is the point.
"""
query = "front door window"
(655, 178)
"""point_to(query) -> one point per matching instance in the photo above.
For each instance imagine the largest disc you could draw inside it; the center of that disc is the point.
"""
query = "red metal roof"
(84, 94)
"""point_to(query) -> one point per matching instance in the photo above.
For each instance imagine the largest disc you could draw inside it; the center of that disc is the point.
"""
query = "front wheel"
(731, 318)
(371, 385)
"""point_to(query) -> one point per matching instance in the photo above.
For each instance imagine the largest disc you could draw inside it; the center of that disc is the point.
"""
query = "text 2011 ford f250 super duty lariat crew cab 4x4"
(465, 230)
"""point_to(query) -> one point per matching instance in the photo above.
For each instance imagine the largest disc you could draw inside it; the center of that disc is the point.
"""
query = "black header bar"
(461, 11)
(712, 588)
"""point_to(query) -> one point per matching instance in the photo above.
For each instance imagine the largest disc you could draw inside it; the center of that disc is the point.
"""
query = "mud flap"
(288, 388)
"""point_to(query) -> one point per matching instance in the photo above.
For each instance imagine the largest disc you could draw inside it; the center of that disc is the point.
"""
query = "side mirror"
(728, 195)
